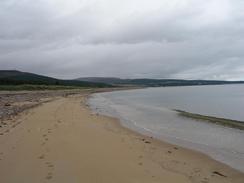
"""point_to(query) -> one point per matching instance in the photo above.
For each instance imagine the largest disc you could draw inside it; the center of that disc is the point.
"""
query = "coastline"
(147, 111)
(70, 143)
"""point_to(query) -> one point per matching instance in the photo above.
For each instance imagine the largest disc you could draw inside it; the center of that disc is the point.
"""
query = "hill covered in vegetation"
(13, 77)
(156, 82)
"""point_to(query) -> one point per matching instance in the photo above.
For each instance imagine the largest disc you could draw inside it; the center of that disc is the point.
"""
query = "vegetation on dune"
(220, 121)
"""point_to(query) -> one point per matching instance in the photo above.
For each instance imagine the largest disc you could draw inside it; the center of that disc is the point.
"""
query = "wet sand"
(63, 141)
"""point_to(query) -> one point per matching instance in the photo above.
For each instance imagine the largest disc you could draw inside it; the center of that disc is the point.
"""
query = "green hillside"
(12, 77)
(156, 82)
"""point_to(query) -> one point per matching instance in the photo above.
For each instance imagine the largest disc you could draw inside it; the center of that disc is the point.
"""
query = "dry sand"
(62, 141)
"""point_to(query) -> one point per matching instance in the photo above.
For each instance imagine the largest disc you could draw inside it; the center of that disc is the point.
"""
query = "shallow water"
(149, 111)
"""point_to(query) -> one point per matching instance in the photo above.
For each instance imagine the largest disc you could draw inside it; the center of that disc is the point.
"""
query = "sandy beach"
(63, 141)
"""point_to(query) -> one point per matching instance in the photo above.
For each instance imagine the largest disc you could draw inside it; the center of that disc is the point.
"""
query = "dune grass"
(220, 121)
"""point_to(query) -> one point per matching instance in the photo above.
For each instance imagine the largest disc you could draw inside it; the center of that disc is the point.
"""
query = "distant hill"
(156, 82)
(13, 77)
(108, 80)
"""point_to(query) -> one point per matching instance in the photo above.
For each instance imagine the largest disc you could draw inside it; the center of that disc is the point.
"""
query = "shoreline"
(144, 136)
(211, 145)
(122, 150)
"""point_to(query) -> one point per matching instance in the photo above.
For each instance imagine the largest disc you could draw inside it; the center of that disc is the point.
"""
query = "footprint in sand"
(50, 166)
(146, 141)
(140, 163)
(1, 154)
(45, 139)
(50, 174)
(43, 143)
(140, 157)
(42, 156)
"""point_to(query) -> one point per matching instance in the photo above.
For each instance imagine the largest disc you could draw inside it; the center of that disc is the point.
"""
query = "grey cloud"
(189, 39)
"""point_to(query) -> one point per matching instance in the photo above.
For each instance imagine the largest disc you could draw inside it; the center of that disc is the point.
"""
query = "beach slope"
(63, 141)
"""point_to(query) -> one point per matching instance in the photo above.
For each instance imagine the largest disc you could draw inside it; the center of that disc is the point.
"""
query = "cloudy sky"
(190, 39)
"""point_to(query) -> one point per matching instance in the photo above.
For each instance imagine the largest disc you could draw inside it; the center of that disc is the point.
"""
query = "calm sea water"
(149, 111)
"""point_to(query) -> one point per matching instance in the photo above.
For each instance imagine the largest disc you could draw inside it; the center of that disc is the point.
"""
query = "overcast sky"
(189, 39)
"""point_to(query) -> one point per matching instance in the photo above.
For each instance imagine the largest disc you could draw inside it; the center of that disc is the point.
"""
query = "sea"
(151, 111)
